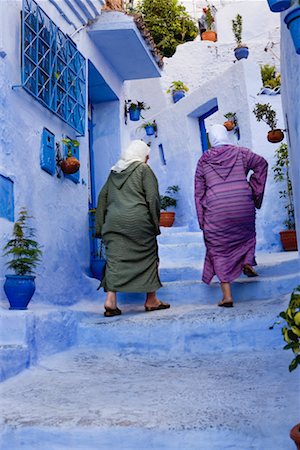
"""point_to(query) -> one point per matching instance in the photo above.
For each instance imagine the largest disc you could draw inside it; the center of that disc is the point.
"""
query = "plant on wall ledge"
(166, 201)
(231, 124)
(70, 164)
(265, 113)
(241, 51)
(134, 109)
(150, 128)
(209, 19)
(178, 90)
(271, 80)
(281, 171)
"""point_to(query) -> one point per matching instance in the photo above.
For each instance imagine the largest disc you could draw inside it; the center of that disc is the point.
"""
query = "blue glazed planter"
(149, 130)
(177, 95)
(241, 53)
(97, 267)
(19, 289)
(279, 5)
(134, 114)
(292, 21)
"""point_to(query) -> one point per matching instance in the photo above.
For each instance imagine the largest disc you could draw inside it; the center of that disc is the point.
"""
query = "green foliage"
(168, 199)
(25, 251)
(269, 76)
(291, 329)
(168, 23)
(281, 174)
(177, 86)
(237, 28)
(209, 18)
(70, 143)
(264, 112)
(149, 124)
(138, 105)
(230, 115)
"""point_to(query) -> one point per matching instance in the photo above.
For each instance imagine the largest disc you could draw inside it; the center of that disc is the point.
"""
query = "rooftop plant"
(177, 86)
(169, 199)
(237, 28)
(265, 112)
(270, 78)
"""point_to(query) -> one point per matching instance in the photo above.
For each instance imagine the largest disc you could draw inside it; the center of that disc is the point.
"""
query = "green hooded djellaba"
(127, 218)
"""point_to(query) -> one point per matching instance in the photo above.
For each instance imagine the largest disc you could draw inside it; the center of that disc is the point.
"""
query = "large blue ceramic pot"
(177, 95)
(292, 20)
(19, 289)
(134, 114)
(241, 53)
(279, 5)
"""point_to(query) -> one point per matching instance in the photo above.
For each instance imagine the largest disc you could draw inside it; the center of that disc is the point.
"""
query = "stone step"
(180, 238)
(183, 252)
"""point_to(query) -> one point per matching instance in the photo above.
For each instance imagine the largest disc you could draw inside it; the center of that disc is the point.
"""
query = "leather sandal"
(110, 312)
(226, 304)
(161, 305)
(249, 271)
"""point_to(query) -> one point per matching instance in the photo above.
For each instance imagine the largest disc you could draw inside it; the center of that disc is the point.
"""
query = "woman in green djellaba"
(127, 219)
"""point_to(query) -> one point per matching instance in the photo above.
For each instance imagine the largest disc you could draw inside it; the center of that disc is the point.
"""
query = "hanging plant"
(150, 128)
(70, 164)
(134, 109)
(178, 90)
(265, 113)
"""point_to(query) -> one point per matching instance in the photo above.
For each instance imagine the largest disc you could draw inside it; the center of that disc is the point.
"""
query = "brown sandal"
(161, 305)
(249, 271)
(110, 312)
(228, 304)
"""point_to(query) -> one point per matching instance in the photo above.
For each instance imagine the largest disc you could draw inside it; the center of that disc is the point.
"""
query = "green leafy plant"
(265, 112)
(209, 18)
(24, 250)
(169, 199)
(281, 174)
(168, 23)
(70, 143)
(270, 78)
(138, 105)
(230, 116)
(149, 124)
(291, 329)
(237, 28)
(177, 86)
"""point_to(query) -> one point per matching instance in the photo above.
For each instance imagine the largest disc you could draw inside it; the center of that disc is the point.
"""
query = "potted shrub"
(178, 90)
(279, 5)
(167, 217)
(241, 51)
(135, 110)
(281, 174)
(265, 113)
(26, 254)
(70, 164)
(230, 123)
(292, 21)
(209, 34)
(150, 128)
(291, 335)
(271, 80)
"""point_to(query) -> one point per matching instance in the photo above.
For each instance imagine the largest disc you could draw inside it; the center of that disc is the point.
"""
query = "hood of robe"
(222, 159)
(120, 178)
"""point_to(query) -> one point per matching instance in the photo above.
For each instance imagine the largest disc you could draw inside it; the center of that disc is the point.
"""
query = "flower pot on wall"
(275, 136)
(279, 5)
(295, 435)
(134, 114)
(229, 125)
(292, 21)
(241, 53)
(70, 165)
(150, 130)
(209, 36)
(19, 290)
(177, 95)
(289, 240)
(166, 218)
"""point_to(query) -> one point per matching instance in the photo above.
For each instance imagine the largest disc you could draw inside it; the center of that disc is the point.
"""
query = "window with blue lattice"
(53, 70)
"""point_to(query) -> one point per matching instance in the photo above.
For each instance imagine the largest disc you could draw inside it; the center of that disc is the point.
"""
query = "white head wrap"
(136, 151)
(218, 135)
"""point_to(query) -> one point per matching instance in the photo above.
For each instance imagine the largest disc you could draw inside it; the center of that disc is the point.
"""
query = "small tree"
(237, 28)
(168, 23)
(265, 113)
(25, 251)
(281, 174)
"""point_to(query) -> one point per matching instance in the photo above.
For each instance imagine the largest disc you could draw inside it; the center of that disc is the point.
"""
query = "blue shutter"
(47, 156)
(7, 198)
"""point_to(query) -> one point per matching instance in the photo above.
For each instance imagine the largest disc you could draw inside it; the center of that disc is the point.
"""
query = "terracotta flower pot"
(229, 125)
(70, 165)
(295, 435)
(166, 218)
(275, 136)
(289, 240)
(209, 36)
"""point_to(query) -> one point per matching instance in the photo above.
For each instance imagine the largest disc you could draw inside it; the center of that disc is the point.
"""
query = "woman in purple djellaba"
(225, 203)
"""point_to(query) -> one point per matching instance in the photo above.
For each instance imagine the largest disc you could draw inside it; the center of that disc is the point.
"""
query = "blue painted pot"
(134, 114)
(279, 5)
(19, 289)
(97, 267)
(292, 21)
(149, 130)
(177, 95)
(241, 53)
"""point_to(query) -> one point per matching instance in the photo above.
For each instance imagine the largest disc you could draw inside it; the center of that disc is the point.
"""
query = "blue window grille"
(47, 158)
(53, 70)
(7, 198)
(75, 177)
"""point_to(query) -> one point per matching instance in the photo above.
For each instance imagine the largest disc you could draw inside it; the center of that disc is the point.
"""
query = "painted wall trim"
(206, 109)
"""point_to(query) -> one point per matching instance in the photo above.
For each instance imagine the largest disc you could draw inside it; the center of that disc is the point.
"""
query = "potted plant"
(292, 21)
(178, 90)
(135, 110)
(26, 254)
(279, 5)
(209, 34)
(70, 164)
(167, 217)
(150, 128)
(281, 174)
(230, 123)
(271, 80)
(241, 51)
(291, 336)
(265, 113)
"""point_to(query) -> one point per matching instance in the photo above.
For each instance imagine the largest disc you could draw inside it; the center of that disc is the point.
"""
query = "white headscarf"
(218, 135)
(136, 151)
